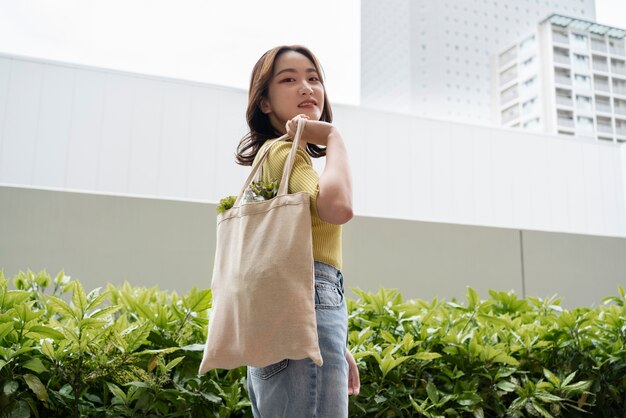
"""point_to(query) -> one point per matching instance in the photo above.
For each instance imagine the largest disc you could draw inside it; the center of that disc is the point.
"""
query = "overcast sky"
(201, 40)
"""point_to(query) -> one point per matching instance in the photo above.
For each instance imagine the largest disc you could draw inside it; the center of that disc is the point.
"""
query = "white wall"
(71, 127)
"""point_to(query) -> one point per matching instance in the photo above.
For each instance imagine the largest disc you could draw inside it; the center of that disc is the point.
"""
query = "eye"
(314, 78)
(286, 80)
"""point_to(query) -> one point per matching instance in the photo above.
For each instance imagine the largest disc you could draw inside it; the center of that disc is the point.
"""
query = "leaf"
(433, 393)
(10, 387)
(36, 365)
(94, 298)
(136, 336)
(193, 347)
(472, 298)
(116, 391)
(41, 331)
(61, 306)
(36, 386)
(174, 362)
(104, 311)
(79, 298)
(5, 329)
(20, 410)
(426, 356)
(505, 386)
(198, 300)
(48, 350)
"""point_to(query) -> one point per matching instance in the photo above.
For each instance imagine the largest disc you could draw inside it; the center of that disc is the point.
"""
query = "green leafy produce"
(225, 204)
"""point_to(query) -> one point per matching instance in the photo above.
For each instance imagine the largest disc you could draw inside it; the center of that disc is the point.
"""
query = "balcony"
(620, 130)
(508, 76)
(565, 122)
(564, 101)
(598, 46)
(618, 69)
(619, 90)
(604, 128)
(561, 79)
(619, 51)
(600, 66)
(507, 56)
(508, 95)
(560, 38)
(561, 59)
(603, 107)
(620, 110)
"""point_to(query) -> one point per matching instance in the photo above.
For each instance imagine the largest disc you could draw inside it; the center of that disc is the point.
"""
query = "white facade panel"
(420, 178)
(143, 174)
(86, 131)
(21, 120)
(53, 128)
(127, 134)
(5, 75)
(201, 177)
(174, 144)
(114, 152)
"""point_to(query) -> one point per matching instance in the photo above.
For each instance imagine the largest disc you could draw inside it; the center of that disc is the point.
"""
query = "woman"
(286, 85)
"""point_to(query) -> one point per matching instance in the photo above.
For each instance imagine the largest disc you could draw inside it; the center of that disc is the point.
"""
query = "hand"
(354, 382)
(315, 131)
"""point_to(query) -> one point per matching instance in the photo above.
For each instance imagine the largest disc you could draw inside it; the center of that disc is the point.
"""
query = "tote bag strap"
(284, 182)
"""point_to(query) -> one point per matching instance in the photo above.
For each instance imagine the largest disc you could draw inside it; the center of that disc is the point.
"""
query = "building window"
(581, 61)
(579, 40)
(528, 86)
(583, 102)
(582, 81)
(529, 106)
(584, 124)
(532, 124)
(527, 44)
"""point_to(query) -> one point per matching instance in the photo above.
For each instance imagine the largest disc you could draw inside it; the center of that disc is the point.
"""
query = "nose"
(306, 89)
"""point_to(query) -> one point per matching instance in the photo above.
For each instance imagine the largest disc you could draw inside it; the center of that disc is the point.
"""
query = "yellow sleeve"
(303, 175)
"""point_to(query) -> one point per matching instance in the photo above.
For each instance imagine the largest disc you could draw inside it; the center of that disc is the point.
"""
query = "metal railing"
(562, 59)
(606, 128)
(559, 37)
(600, 66)
(564, 100)
(603, 107)
(598, 46)
(565, 122)
(601, 86)
(563, 80)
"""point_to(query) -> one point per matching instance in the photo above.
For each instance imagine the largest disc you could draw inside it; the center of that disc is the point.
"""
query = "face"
(295, 88)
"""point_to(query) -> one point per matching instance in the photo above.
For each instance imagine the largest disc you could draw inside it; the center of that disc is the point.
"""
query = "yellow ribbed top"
(326, 236)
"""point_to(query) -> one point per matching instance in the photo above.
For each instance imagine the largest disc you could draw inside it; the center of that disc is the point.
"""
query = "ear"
(265, 106)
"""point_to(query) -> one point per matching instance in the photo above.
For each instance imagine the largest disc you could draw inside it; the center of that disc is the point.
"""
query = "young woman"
(286, 85)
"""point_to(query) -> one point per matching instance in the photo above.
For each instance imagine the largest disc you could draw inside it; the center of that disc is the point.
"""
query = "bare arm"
(334, 200)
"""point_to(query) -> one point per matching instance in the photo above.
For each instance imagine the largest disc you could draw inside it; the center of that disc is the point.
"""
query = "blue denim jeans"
(299, 388)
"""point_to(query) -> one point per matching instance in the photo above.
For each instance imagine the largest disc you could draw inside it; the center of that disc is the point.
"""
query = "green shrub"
(134, 352)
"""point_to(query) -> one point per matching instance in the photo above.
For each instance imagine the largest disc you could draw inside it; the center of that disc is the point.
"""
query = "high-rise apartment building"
(433, 58)
(568, 77)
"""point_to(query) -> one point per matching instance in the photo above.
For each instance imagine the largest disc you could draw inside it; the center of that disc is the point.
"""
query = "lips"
(307, 103)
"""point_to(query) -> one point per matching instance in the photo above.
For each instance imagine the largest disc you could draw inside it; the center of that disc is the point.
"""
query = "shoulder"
(281, 149)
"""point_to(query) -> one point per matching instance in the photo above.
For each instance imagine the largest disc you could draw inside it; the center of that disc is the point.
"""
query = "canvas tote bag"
(263, 308)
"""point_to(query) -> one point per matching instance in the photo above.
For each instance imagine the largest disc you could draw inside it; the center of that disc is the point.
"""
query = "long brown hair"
(259, 123)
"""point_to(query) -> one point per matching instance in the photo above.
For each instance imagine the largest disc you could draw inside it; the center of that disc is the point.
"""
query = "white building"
(433, 58)
(568, 77)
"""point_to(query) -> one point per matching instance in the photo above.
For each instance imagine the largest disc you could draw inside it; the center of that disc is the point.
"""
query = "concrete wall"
(103, 238)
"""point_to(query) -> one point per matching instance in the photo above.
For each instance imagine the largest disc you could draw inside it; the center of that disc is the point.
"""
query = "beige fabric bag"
(263, 280)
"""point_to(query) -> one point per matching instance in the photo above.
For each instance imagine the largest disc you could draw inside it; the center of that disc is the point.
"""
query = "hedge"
(134, 352)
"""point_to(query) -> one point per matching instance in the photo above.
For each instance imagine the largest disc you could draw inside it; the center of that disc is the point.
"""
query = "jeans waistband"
(328, 273)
